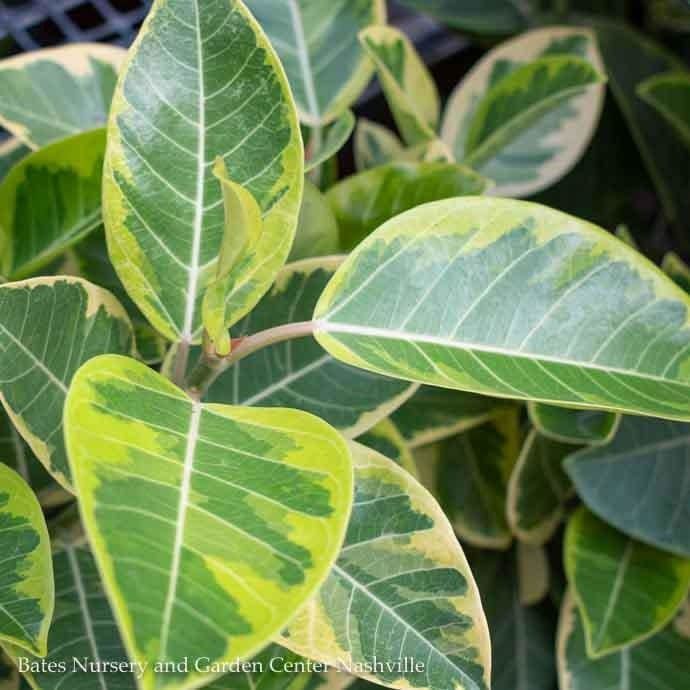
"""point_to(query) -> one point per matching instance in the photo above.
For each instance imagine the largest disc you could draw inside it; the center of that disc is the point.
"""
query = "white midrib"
(193, 280)
(85, 612)
(304, 63)
(192, 437)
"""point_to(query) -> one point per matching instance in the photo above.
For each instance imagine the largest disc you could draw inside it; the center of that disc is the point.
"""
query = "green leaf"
(317, 230)
(299, 373)
(83, 629)
(375, 145)
(363, 201)
(385, 438)
(626, 591)
(446, 294)
(409, 88)
(624, 235)
(234, 515)
(660, 662)
(677, 270)
(639, 482)
(242, 233)
(401, 588)
(670, 95)
(48, 328)
(317, 44)
(479, 16)
(630, 59)
(26, 578)
(50, 201)
(534, 573)
(327, 145)
(171, 118)
(54, 93)
(12, 150)
(538, 489)
(528, 110)
(523, 636)
(472, 480)
(591, 427)
(433, 414)
(15, 452)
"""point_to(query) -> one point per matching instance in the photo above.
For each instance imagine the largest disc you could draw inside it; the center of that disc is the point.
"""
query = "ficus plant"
(420, 425)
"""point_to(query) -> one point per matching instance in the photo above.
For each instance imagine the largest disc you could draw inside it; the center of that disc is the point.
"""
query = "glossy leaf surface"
(573, 426)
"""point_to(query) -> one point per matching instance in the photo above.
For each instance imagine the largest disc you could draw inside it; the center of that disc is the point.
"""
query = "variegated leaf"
(625, 591)
(375, 145)
(317, 44)
(50, 201)
(445, 294)
(48, 328)
(522, 123)
(324, 145)
(670, 95)
(317, 230)
(232, 516)
(385, 438)
(223, 94)
(26, 577)
(401, 588)
(57, 92)
(591, 427)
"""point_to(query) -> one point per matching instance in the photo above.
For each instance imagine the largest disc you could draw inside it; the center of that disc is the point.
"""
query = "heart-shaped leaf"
(446, 294)
(401, 589)
(12, 150)
(211, 524)
(525, 114)
(299, 373)
(591, 427)
(48, 328)
(54, 93)
(640, 482)
(50, 201)
(538, 489)
(317, 43)
(224, 94)
(670, 95)
(364, 201)
(626, 591)
(472, 479)
(26, 578)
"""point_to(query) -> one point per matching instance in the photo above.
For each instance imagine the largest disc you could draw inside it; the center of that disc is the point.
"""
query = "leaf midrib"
(304, 60)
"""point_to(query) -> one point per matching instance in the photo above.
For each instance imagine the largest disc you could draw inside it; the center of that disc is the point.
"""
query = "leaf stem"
(179, 367)
(210, 366)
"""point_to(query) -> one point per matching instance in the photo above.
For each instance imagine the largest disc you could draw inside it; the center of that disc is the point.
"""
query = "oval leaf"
(363, 201)
(626, 591)
(299, 373)
(50, 201)
(234, 515)
(170, 119)
(640, 483)
(409, 88)
(48, 328)
(526, 123)
(401, 588)
(26, 579)
(445, 294)
(634, 668)
(317, 44)
(472, 480)
(670, 95)
(574, 426)
(538, 489)
(57, 92)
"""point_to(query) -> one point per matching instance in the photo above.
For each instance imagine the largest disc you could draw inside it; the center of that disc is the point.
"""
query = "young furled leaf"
(401, 588)
(472, 479)
(409, 88)
(670, 95)
(234, 515)
(591, 427)
(445, 294)
(171, 119)
(50, 201)
(57, 92)
(364, 201)
(48, 328)
(26, 577)
(626, 591)
(639, 482)
(527, 111)
(317, 44)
